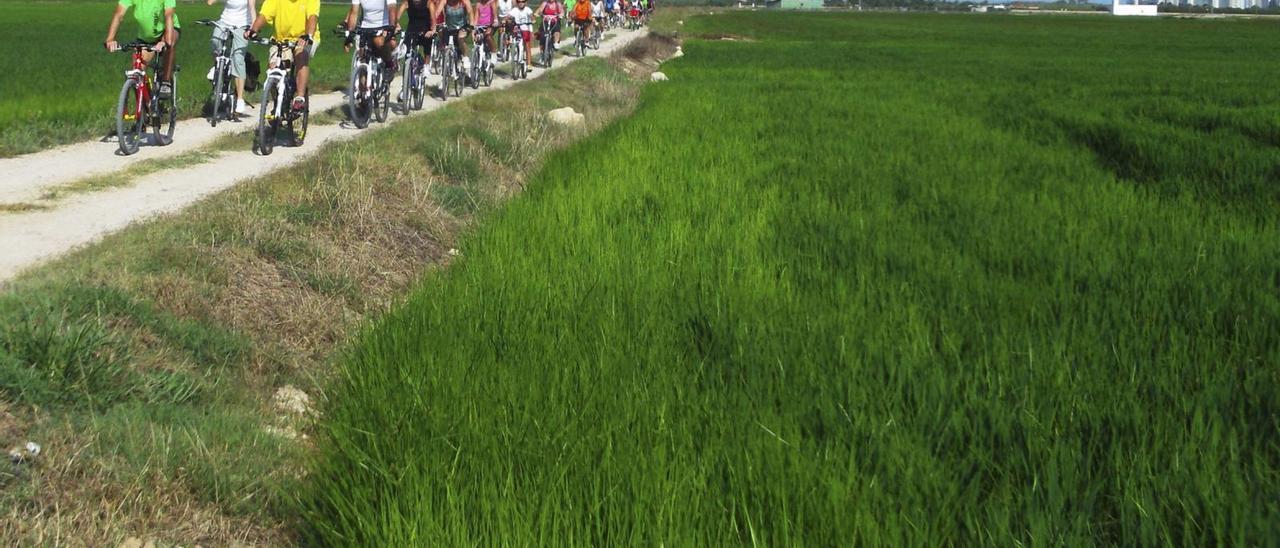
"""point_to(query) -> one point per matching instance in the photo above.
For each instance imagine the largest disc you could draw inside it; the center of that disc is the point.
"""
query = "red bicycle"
(139, 107)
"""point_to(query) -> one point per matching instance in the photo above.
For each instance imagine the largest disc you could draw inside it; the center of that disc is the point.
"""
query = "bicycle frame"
(139, 71)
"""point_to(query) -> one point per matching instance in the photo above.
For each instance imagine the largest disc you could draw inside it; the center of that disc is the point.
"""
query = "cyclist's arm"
(115, 25)
(352, 14)
(170, 36)
(471, 12)
(253, 9)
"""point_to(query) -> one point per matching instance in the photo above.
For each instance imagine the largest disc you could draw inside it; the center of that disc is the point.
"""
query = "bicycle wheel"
(167, 115)
(216, 115)
(419, 82)
(446, 76)
(359, 97)
(129, 117)
(458, 79)
(382, 100)
(408, 77)
(265, 138)
(488, 74)
(299, 125)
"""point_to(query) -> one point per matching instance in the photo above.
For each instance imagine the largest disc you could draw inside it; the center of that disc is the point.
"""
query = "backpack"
(252, 70)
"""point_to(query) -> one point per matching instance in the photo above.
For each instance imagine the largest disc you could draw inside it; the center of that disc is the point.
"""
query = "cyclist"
(521, 24)
(379, 15)
(504, 20)
(610, 7)
(458, 15)
(485, 18)
(236, 14)
(550, 12)
(582, 16)
(157, 25)
(419, 29)
(294, 21)
(598, 13)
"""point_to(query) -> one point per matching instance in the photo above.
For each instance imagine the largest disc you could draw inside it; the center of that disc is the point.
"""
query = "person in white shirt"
(597, 12)
(522, 19)
(378, 15)
(237, 15)
(504, 19)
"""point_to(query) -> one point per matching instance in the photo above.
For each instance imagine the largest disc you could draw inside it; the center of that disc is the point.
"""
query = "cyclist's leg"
(527, 37)
(239, 45)
(170, 58)
(460, 40)
(302, 67)
(488, 42)
(382, 45)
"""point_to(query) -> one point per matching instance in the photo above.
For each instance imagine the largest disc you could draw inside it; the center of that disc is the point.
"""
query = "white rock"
(453, 252)
(679, 52)
(292, 400)
(567, 117)
(658, 77)
(26, 453)
(680, 22)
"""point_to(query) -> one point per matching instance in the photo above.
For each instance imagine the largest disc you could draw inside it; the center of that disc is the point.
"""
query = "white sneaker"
(466, 63)
(242, 107)
(210, 75)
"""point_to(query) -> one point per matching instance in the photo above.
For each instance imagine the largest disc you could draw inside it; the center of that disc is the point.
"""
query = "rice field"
(60, 85)
(855, 279)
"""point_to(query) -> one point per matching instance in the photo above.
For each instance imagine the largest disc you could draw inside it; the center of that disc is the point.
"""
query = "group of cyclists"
(296, 22)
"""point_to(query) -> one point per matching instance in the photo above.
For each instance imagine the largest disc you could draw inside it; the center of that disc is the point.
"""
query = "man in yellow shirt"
(294, 21)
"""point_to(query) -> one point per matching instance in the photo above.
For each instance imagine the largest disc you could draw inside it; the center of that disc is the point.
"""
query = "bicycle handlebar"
(144, 46)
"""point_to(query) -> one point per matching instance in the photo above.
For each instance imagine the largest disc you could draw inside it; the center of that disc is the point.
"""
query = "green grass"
(67, 92)
(899, 286)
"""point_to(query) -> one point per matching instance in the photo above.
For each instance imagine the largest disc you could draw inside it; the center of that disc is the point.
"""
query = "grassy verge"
(150, 366)
(807, 296)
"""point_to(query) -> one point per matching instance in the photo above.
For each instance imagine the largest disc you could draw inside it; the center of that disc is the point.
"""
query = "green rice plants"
(850, 279)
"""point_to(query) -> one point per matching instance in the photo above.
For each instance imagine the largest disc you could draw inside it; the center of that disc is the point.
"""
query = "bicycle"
(276, 108)
(224, 90)
(548, 39)
(451, 72)
(481, 65)
(139, 107)
(580, 38)
(369, 94)
(515, 52)
(597, 32)
(413, 81)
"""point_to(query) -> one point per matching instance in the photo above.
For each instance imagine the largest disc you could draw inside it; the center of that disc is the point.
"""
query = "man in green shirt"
(157, 25)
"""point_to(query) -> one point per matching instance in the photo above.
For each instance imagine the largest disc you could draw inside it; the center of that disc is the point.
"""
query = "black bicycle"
(451, 73)
(276, 109)
(222, 99)
(369, 94)
(548, 39)
(413, 78)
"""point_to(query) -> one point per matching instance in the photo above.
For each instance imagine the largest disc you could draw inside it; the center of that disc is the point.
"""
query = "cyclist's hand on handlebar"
(159, 46)
(111, 45)
(250, 34)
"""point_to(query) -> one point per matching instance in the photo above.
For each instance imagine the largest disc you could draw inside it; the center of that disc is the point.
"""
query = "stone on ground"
(567, 117)
(658, 77)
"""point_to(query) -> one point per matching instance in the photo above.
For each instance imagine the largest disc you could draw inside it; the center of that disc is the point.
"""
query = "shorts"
(238, 46)
(274, 59)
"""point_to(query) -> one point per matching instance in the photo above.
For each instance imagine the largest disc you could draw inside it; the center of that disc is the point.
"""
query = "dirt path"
(28, 238)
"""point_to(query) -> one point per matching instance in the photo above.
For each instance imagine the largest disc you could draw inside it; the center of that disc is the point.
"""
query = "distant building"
(796, 4)
(1136, 9)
